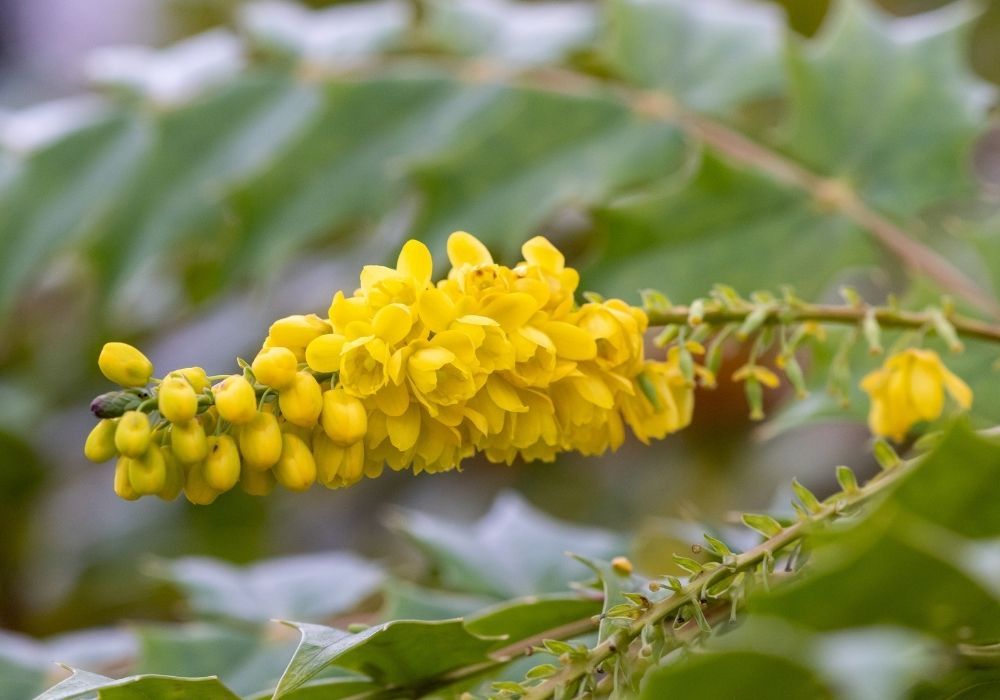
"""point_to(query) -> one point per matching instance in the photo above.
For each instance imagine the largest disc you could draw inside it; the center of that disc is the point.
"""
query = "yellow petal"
(416, 263)
(405, 429)
(958, 389)
(504, 395)
(393, 399)
(538, 251)
(344, 310)
(371, 275)
(593, 389)
(571, 342)
(430, 359)
(512, 310)
(466, 249)
(392, 323)
(436, 310)
(926, 390)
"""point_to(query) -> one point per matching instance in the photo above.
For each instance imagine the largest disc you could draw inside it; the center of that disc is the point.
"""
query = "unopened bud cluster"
(405, 372)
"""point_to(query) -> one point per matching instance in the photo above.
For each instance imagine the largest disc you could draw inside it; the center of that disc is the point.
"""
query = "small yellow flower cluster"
(406, 373)
(908, 388)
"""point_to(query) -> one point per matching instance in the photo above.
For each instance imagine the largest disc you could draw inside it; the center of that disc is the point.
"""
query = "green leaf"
(732, 674)
(309, 586)
(326, 689)
(764, 524)
(527, 617)
(91, 686)
(404, 652)
(513, 32)
(514, 550)
(533, 152)
(871, 87)
(807, 497)
(711, 55)
(681, 238)
(615, 587)
(409, 601)
(245, 660)
(912, 549)
(59, 193)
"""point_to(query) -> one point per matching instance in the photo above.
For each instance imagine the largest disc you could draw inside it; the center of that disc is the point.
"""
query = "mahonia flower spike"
(404, 372)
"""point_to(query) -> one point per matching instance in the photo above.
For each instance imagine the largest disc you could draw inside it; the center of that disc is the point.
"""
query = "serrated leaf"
(711, 55)
(309, 586)
(511, 551)
(764, 524)
(91, 686)
(404, 652)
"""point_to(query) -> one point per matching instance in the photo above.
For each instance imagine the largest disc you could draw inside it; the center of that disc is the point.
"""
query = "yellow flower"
(148, 474)
(100, 445)
(302, 401)
(260, 442)
(296, 469)
(222, 464)
(909, 388)
(132, 434)
(440, 370)
(188, 441)
(124, 365)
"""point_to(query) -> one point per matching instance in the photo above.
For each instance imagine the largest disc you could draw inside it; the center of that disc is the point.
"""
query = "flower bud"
(296, 331)
(177, 400)
(196, 376)
(260, 442)
(275, 367)
(148, 474)
(257, 483)
(235, 399)
(124, 365)
(188, 442)
(132, 434)
(296, 470)
(302, 402)
(323, 352)
(196, 489)
(123, 487)
(100, 445)
(175, 476)
(344, 417)
(222, 465)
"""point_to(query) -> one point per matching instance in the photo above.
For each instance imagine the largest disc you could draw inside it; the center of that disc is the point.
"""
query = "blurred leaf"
(526, 617)
(177, 195)
(246, 660)
(514, 32)
(309, 586)
(514, 550)
(711, 55)
(86, 686)
(401, 653)
(870, 88)
(911, 550)
(731, 674)
(341, 33)
(408, 601)
(509, 169)
(325, 689)
(681, 239)
(59, 192)
(22, 672)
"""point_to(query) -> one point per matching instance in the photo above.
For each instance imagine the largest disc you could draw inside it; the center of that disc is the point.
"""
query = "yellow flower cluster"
(407, 373)
(910, 387)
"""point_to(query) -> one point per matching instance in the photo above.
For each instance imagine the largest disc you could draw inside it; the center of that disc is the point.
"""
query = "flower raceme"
(404, 372)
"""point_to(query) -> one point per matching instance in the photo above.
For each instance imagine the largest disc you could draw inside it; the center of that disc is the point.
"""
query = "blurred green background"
(182, 200)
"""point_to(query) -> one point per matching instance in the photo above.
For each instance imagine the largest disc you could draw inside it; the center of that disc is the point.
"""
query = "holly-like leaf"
(514, 550)
(309, 586)
(526, 617)
(710, 55)
(404, 652)
(91, 686)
